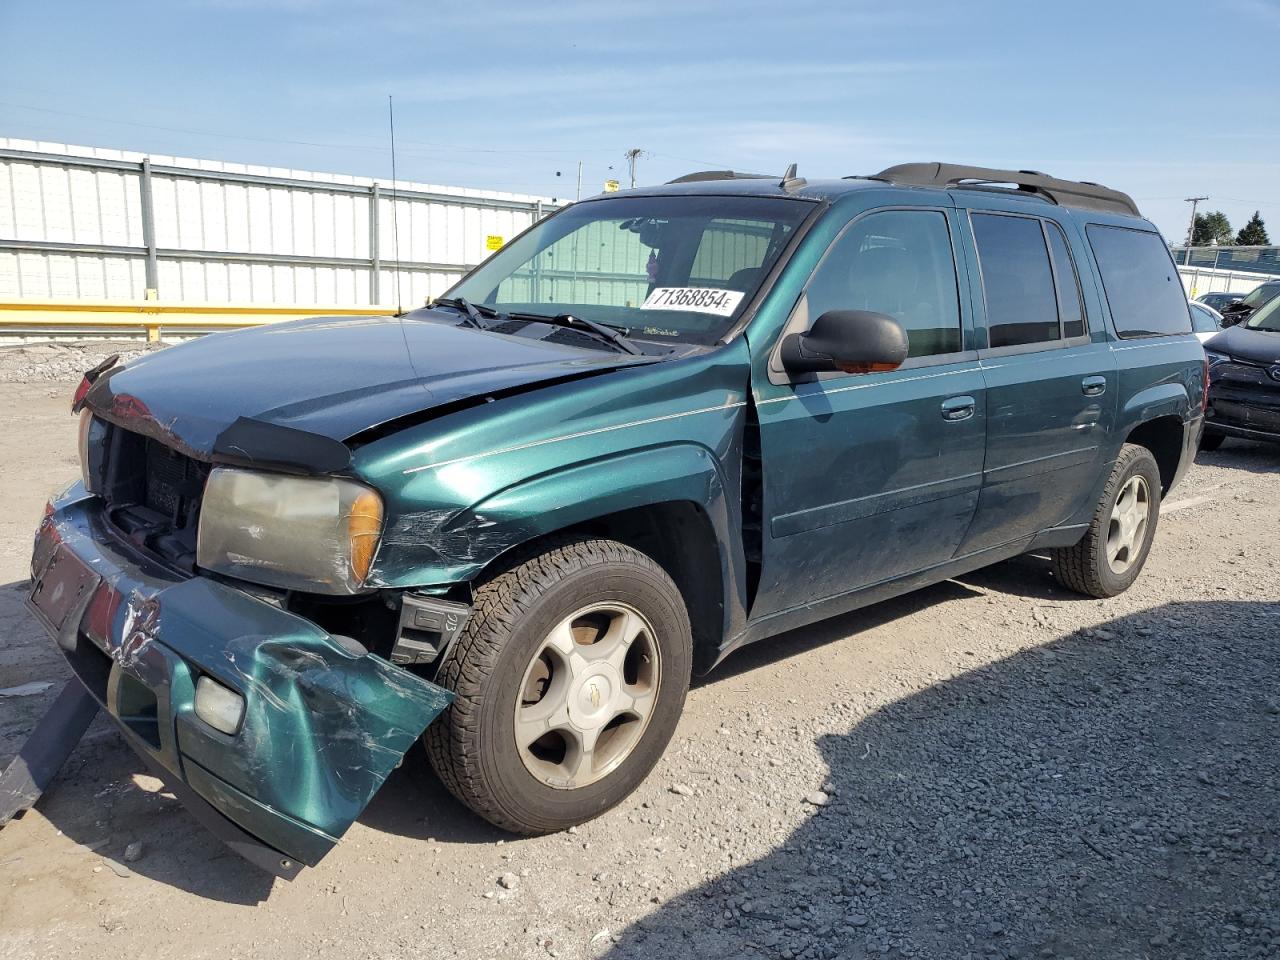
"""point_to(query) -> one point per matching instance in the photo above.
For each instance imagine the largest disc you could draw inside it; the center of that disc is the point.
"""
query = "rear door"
(1051, 381)
(870, 476)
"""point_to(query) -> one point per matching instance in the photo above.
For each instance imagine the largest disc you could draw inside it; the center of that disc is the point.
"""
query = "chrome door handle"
(958, 408)
(1093, 386)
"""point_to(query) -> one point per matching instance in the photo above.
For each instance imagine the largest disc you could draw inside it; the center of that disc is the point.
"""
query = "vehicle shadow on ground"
(1110, 794)
(103, 800)
(1024, 576)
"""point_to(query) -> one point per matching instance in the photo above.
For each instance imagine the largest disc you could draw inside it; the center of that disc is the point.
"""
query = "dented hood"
(328, 377)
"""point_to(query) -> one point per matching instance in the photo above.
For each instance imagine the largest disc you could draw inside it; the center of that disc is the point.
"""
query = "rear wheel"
(1210, 440)
(1112, 552)
(569, 680)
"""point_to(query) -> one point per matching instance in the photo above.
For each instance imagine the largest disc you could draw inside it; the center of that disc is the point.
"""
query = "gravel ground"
(62, 361)
(991, 767)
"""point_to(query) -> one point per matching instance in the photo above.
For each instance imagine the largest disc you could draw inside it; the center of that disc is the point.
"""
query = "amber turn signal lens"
(364, 524)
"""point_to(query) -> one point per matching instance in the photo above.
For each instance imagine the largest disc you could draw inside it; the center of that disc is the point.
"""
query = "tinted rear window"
(1141, 283)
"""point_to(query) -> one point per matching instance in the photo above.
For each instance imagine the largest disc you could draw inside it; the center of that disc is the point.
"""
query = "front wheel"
(568, 680)
(1112, 552)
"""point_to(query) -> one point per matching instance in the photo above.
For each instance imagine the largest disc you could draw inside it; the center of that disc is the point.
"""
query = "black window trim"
(1057, 285)
(1042, 346)
(778, 375)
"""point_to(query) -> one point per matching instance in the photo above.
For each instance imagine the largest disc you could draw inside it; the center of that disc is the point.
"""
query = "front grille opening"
(152, 495)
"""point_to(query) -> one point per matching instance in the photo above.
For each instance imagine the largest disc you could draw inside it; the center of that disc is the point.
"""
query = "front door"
(870, 476)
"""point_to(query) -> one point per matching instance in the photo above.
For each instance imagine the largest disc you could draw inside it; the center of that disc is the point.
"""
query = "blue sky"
(1154, 98)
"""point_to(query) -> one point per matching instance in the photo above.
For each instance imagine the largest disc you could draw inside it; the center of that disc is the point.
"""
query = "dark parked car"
(1244, 380)
(657, 426)
(1219, 300)
(1256, 298)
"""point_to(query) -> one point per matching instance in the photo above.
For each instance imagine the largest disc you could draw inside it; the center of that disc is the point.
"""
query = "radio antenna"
(395, 224)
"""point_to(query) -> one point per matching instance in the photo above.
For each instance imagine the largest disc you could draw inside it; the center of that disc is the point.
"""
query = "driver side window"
(899, 263)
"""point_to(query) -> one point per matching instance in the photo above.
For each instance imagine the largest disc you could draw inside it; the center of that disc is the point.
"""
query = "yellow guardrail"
(154, 316)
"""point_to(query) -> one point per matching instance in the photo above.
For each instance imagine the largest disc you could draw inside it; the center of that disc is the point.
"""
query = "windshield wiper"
(612, 335)
(470, 311)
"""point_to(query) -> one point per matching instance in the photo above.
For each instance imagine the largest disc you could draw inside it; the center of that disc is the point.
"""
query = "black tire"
(1211, 441)
(472, 745)
(1083, 567)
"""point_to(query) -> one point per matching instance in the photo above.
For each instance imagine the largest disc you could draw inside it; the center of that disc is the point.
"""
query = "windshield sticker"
(694, 299)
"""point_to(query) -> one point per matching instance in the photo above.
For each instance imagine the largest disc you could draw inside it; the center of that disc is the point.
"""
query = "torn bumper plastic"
(322, 727)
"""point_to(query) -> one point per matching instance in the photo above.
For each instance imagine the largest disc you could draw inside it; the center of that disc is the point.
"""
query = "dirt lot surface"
(988, 768)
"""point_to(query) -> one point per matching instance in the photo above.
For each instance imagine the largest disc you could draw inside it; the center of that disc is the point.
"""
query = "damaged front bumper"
(322, 726)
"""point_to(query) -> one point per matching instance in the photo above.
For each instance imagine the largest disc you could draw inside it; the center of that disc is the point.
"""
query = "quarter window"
(1142, 285)
(899, 263)
(1017, 280)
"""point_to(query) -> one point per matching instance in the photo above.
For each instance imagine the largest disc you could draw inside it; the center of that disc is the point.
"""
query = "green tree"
(1211, 227)
(1253, 233)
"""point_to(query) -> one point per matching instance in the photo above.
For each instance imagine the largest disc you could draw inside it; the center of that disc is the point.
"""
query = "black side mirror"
(853, 341)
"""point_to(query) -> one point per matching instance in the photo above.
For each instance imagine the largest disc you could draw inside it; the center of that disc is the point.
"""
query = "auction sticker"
(694, 299)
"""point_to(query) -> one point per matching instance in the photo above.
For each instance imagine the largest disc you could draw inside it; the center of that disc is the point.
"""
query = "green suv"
(659, 425)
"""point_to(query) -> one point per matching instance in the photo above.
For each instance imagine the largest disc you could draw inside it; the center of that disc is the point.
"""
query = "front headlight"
(299, 533)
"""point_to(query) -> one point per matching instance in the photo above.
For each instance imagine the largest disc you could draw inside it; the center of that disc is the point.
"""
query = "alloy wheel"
(1127, 529)
(587, 695)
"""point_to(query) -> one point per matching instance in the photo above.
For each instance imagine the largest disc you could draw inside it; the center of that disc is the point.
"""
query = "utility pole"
(579, 197)
(1191, 230)
(633, 155)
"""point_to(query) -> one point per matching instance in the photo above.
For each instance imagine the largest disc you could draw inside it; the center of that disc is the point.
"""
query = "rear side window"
(1017, 280)
(1142, 286)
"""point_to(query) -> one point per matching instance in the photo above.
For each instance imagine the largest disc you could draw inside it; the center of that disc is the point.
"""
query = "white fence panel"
(73, 225)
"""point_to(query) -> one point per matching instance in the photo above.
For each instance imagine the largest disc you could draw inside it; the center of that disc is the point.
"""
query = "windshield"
(1267, 318)
(1261, 294)
(661, 268)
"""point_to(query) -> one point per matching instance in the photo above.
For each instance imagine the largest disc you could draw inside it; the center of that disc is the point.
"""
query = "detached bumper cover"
(322, 728)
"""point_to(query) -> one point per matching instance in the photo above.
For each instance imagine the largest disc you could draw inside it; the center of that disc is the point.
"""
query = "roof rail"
(702, 175)
(1065, 193)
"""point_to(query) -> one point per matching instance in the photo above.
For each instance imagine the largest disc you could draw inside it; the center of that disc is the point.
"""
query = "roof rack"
(1065, 193)
(702, 175)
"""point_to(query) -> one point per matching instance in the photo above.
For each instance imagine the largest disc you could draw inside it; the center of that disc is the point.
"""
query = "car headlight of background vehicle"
(299, 533)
